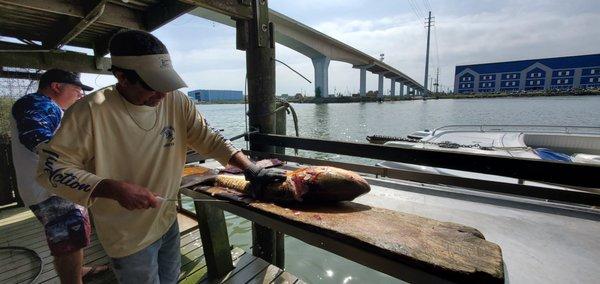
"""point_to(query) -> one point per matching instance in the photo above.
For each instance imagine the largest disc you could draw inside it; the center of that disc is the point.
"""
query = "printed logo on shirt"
(64, 178)
(169, 134)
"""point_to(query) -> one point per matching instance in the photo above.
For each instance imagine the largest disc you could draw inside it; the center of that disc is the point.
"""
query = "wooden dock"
(19, 227)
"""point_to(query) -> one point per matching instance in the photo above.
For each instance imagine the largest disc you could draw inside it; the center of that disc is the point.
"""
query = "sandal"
(95, 270)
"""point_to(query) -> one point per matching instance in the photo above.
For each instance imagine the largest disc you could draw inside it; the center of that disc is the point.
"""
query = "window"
(514, 76)
(567, 73)
(591, 80)
(592, 71)
(538, 82)
(559, 73)
(514, 83)
(539, 74)
(558, 81)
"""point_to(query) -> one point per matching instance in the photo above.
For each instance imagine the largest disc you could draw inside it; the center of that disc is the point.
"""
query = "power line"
(415, 12)
(427, 5)
(419, 9)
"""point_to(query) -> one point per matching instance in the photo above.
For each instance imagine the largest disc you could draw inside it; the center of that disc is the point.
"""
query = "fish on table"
(315, 184)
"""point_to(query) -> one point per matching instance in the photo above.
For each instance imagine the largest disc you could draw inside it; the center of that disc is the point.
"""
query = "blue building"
(216, 95)
(560, 73)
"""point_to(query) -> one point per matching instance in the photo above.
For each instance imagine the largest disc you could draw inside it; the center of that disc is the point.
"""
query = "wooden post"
(260, 69)
(215, 241)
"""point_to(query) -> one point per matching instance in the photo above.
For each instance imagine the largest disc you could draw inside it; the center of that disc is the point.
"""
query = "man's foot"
(90, 271)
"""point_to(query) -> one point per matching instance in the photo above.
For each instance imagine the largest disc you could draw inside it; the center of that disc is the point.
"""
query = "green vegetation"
(5, 110)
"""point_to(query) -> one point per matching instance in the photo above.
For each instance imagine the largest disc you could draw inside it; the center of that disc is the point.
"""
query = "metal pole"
(427, 54)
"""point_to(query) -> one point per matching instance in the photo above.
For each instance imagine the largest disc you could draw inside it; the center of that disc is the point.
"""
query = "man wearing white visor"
(123, 145)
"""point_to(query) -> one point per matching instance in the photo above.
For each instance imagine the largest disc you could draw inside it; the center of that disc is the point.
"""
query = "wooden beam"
(572, 174)
(165, 11)
(65, 32)
(11, 46)
(72, 61)
(233, 8)
(114, 15)
(19, 75)
(101, 45)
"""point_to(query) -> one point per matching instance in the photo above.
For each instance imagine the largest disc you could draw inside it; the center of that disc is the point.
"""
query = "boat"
(572, 144)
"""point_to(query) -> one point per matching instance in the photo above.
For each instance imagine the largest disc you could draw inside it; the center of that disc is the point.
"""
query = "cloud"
(466, 32)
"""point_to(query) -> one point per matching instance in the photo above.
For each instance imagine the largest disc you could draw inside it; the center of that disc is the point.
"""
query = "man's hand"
(129, 195)
(260, 177)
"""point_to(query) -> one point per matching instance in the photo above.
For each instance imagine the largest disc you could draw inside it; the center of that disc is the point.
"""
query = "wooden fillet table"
(405, 246)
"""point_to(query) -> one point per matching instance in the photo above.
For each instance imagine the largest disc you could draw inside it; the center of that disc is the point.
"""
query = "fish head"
(327, 184)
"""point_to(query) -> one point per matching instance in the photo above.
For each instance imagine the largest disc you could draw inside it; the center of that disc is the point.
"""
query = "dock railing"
(211, 217)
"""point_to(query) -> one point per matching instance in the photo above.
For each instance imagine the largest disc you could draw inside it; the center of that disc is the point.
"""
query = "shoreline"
(338, 100)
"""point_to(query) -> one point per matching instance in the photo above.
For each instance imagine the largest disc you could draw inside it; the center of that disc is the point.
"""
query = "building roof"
(516, 66)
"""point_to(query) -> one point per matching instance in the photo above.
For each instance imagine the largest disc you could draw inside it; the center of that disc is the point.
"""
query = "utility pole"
(437, 80)
(428, 26)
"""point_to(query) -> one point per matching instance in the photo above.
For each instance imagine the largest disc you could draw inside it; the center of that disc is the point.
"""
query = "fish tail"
(232, 182)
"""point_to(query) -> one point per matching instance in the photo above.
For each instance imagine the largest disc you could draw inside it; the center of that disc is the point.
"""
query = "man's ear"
(120, 77)
(56, 87)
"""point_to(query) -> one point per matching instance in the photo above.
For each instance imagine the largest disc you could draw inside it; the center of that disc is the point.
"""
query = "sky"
(465, 32)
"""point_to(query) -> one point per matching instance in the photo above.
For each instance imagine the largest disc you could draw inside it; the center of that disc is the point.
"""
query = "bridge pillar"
(380, 89)
(401, 89)
(321, 65)
(363, 82)
(393, 88)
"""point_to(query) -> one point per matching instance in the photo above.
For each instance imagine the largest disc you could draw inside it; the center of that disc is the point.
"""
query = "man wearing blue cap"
(35, 118)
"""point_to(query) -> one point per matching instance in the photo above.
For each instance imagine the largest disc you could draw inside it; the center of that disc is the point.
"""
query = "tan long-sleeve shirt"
(103, 136)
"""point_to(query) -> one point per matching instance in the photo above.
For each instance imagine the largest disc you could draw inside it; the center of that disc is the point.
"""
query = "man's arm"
(240, 160)
(129, 195)
(204, 140)
(36, 121)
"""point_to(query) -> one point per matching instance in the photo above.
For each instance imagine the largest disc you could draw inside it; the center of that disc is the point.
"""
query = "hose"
(12, 248)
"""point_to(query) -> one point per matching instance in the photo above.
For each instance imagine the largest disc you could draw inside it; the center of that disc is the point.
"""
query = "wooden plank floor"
(18, 227)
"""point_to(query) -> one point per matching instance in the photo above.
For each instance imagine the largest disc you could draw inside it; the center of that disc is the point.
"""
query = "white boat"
(575, 144)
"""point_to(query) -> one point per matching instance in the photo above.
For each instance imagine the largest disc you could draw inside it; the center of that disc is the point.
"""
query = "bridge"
(321, 49)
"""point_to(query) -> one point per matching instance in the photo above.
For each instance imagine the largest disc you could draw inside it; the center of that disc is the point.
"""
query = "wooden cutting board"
(448, 250)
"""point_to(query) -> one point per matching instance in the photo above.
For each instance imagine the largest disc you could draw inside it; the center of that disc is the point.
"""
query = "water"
(353, 122)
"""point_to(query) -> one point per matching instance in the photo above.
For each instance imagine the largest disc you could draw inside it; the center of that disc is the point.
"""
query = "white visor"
(156, 70)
